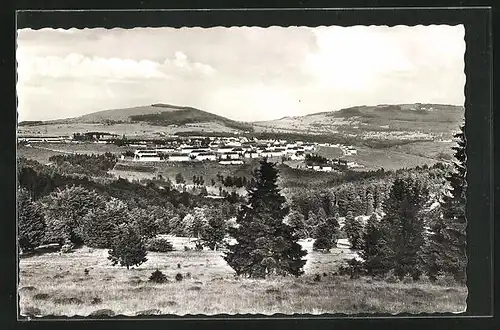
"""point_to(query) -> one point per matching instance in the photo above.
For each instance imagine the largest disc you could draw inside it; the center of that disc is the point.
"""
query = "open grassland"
(55, 284)
(388, 159)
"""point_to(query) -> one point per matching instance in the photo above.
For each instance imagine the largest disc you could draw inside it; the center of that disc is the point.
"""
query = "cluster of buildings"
(226, 151)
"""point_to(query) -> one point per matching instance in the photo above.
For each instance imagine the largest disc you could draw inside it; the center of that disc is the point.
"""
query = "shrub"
(102, 312)
(159, 245)
(354, 269)
(148, 312)
(96, 301)
(32, 311)
(178, 277)
(158, 277)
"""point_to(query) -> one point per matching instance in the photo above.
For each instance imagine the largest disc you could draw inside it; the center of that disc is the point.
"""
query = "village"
(224, 150)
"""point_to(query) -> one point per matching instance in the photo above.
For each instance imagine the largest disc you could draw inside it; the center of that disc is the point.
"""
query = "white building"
(251, 154)
(298, 156)
(224, 149)
(206, 156)
(230, 155)
(146, 156)
(231, 162)
(179, 157)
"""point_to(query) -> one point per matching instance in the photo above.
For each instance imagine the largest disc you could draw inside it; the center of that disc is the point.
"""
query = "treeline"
(75, 215)
(91, 165)
(414, 234)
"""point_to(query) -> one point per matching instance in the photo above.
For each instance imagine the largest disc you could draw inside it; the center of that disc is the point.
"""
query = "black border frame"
(479, 126)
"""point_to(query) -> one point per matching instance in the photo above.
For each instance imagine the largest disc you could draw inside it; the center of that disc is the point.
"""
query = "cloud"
(78, 66)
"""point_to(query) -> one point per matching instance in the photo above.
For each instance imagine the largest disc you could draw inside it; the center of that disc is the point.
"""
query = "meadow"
(56, 284)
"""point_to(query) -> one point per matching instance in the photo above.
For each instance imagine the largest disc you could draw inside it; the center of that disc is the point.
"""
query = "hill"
(157, 115)
(380, 122)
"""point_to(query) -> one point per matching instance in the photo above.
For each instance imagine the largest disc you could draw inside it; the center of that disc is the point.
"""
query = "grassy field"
(55, 284)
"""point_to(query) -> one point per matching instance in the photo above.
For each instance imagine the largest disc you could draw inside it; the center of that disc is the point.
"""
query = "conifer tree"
(371, 248)
(353, 229)
(265, 244)
(311, 223)
(297, 222)
(31, 223)
(369, 204)
(452, 236)
(433, 245)
(326, 234)
(402, 227)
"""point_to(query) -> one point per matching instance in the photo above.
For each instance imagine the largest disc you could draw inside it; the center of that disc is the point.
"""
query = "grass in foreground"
(56, 285)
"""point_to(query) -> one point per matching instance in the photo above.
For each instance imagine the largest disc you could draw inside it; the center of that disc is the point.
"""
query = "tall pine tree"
(402, 227)
(354, 230)
(265, 244)
(452, 236)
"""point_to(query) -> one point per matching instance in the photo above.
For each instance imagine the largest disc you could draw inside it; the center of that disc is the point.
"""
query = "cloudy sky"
(242, 73)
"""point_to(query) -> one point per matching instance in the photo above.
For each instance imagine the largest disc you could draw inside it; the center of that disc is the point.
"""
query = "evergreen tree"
(265, 244)
(321, 215)
(450, 235)
(179, 178)
(354, 230)
(297, 222)
(433, 245)
(369, 204)
(371, 248)
(311, 223)
(30, 221)
(402, 227)
(128, 248)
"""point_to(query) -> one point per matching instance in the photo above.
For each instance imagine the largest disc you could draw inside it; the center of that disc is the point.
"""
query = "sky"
(242, 73)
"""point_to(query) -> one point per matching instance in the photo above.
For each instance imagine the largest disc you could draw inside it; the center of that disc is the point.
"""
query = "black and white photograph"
(241, 170)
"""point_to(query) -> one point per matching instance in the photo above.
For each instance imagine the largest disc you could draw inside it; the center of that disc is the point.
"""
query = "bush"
(102, 312)
(158, 277)
(354, 269)
(159, 245)
(178, 277)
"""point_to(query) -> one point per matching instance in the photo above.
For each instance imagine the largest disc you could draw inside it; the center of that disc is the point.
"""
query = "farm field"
(55, 284)
(389, 159)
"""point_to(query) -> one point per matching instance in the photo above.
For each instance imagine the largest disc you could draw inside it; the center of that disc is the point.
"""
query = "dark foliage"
(157, 277)
(30, 221)
(265, 244)
(159, 245)
(127, 249)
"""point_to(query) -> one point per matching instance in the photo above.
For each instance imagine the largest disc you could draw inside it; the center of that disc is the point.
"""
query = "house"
(326, 168)
(179, 157)
(196, 152)
(224, 149)
(230, 155)
(231, 162)
(298, 156)
(238, 150)
(165, 150)
(206, 156)
(146, 156)
(251, 154)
